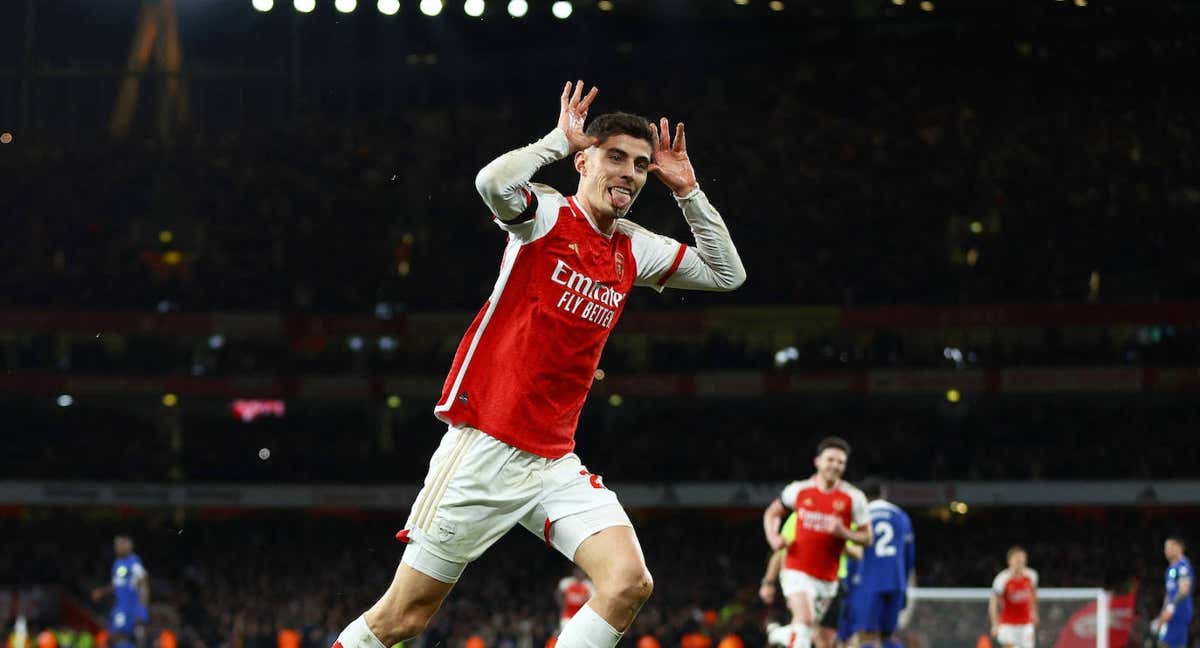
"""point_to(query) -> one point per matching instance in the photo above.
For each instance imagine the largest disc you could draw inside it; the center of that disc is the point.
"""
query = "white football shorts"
(1020, 636)
(820, 593)
(479, 487)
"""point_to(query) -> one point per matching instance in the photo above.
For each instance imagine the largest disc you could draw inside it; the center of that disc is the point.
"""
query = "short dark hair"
(835, 442)
(621, 123)
(1176, 538)
(872, 487)
(1015, 549)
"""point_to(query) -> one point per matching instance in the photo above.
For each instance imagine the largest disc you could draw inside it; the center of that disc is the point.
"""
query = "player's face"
(612, 174)
(831, 464)
(122, 546)
(1016, 562)
(1172, 550)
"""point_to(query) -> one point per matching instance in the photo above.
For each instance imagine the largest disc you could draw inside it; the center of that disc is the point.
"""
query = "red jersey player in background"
(525, 365)
(572, 594)
(1013, 607)
(826, 507)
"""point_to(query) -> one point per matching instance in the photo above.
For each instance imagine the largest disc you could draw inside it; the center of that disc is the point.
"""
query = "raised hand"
(572, 113)
(671, 163)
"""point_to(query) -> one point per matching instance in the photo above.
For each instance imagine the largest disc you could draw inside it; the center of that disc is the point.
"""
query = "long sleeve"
(504, 182)
(713, 264)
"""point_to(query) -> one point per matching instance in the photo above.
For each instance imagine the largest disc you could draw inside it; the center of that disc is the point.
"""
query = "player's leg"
(458, 514)
(1174, 633)
(826, 636)
(845, 631)
(584, 521)
(891, 605)
(120, 629)
(799, 595)
(867, 607)
(803, 611)
(400, 614)
(614, 562)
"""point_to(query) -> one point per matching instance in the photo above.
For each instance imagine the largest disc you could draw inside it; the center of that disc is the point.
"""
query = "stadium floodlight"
(431, 7)
(518, 8)
(263, 5)
(65, 400)
(561, 9)
(776, 5)
(388, 7)
(304, 6)
(345, 6)
(473, 8)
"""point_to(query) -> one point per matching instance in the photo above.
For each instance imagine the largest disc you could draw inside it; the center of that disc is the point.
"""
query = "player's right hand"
(767, 593)
(572, 113)
(995, 631)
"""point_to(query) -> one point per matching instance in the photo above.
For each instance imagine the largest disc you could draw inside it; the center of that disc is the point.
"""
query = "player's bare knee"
(393, 625)
(631, 586)
(636, 586)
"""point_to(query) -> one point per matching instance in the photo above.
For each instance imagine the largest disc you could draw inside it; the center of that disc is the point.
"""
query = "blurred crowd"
(222, 580)
(625, 439)
(966, 165)
(743, 349)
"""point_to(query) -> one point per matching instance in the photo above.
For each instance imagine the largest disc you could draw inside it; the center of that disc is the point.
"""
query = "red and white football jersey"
(525, 365)
(815, 551)
(575, 593)
(1016, 593)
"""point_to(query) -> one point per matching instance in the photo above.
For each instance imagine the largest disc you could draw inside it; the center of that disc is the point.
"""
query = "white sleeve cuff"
(691, 194)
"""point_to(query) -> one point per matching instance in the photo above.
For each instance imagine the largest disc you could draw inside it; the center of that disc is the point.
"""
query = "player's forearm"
(774, 565)
(861, 536)
(501, 183)
(771, 520)
(720, 267)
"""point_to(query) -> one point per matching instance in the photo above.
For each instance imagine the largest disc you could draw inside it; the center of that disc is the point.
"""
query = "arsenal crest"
(619, 263)
(839, 506)
(808, 502)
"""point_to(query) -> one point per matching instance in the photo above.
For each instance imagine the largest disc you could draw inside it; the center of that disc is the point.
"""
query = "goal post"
(951, 617)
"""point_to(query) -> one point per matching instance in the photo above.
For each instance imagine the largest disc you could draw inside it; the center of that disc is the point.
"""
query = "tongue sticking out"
(620, 199)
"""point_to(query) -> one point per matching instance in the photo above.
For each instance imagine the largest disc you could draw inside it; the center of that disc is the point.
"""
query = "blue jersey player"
(130, 587)
(1177, 608)
(880, 586)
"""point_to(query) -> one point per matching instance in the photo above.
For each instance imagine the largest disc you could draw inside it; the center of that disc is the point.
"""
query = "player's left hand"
(766, 592)
(671, 163)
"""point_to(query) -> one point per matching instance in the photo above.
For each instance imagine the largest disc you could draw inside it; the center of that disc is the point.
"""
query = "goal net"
(958, 617)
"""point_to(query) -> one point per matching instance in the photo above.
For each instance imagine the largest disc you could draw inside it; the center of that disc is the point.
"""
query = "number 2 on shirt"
(884, 534)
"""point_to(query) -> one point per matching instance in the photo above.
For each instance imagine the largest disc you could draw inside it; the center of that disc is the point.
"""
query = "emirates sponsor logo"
(815, 521)
(585, 297)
